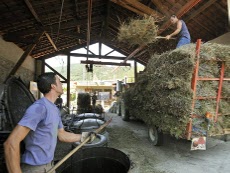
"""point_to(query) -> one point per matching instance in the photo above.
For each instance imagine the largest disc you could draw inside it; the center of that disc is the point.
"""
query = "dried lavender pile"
(139, 31)
(162, 95)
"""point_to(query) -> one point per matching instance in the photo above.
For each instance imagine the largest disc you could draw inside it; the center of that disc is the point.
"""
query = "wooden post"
(23, 57)
(68, 81)
(135, 71)
(228, 5)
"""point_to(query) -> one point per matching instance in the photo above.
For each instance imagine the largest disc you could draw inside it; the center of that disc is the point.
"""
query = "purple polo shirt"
(43, 118)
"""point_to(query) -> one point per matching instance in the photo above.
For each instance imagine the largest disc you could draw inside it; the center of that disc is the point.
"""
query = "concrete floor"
(174, 156)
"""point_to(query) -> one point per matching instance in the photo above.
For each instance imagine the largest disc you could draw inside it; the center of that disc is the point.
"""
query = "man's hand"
(168, 37)
(85, 135)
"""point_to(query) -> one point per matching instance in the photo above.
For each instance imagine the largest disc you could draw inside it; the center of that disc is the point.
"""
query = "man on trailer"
(181, 31)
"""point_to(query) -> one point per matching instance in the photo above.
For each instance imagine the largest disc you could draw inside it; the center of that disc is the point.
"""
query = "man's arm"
(12, 148)
(65, 136)
(178, 29)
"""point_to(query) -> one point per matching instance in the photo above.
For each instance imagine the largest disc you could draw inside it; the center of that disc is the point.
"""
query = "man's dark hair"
(173, 16)
(45, 80)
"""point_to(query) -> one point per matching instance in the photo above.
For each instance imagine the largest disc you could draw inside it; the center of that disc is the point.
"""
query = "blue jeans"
(182, 41)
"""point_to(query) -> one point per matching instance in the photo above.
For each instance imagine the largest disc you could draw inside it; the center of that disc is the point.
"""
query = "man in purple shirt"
(39, 128)
(181, 31)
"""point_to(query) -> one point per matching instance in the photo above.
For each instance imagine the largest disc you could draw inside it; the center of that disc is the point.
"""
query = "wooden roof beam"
(105, 63)
(217, 5)
(160, 6)
(76, 7)
(206, 28)
(96, 56)
(137, 11)
(198, 11)
(51, 41)
(59, 74)
(189, 5)
(61, 45)
(137, 7)
(135, 52)
(105, 23)
(48, 54)
(145, 9)
(29, 5)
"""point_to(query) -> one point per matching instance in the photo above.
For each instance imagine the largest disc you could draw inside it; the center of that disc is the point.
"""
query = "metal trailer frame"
(218, 97)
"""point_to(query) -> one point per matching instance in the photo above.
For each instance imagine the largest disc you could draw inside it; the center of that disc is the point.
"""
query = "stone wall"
(9, 56)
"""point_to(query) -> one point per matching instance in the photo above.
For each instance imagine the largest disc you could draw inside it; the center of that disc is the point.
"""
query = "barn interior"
(33, 31)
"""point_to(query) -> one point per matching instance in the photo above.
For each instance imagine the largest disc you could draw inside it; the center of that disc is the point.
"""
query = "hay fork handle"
(164, 37)
(78, 147)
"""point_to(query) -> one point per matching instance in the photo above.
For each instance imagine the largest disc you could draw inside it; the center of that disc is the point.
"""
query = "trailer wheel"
(155, 136)
(100, 141)
(124, 112)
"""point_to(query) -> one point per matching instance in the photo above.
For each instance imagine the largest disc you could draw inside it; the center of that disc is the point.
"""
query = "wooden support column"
(43, 66)
(24, 55)
(39, 68)
(68, 81)
(228, 13)
(135, 70)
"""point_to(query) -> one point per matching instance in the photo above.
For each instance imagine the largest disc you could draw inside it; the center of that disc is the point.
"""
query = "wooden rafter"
(198, 11)
(217, 5)
(105, 25)
(61, 45)
(160, 6)
(51, 41)
(59, 74)
(136, 4)
(190, 4)
(76, 7)
(137, 7)
(29, 5)
(135, 52)
(105, 63)
(21, 26)
(95, 56)
(206, 28)
(123, 4)
(71, 47)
